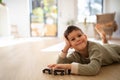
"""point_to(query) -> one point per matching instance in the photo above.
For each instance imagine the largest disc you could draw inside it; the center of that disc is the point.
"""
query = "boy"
(88, 56)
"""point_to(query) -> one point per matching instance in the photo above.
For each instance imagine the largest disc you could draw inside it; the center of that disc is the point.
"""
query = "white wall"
(66, 12)
(19, 15)
(4, 21)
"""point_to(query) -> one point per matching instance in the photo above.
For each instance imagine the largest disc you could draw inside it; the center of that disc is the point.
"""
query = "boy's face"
(77, 40)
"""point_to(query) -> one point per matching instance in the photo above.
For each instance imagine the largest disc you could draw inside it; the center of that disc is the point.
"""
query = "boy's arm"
(91, 68)
(64, 52)
(86, 69)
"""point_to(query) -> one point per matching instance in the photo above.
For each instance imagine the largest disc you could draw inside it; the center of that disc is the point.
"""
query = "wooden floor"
(25, 61)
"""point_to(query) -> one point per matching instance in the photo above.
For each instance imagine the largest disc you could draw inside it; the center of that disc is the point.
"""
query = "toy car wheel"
(50, 72)
(55, 73)
(43, 71)
(62, 73)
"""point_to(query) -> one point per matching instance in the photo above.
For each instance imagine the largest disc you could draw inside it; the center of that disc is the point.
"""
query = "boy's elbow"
(93, 73)
(94, 69)
(90, 72)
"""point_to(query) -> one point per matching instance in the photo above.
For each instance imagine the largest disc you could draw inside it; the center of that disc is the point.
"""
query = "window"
(87, 9)
(43, 18)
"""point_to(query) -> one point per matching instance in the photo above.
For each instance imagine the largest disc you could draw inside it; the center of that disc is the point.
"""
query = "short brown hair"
(70, 29)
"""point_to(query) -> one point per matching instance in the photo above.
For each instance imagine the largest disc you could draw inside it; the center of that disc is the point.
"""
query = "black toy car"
(57, 71)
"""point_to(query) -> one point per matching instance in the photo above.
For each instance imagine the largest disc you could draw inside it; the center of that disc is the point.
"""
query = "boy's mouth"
(79, 43)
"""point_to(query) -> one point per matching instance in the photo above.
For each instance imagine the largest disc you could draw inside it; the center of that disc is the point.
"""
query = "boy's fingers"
(51, 65)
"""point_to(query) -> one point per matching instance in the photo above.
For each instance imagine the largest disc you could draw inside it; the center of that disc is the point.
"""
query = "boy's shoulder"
(92, 44)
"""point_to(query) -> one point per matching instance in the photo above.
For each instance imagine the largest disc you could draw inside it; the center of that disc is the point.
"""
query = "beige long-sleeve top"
(99, 55)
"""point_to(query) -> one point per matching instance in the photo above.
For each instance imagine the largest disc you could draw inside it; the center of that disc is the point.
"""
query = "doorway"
(44, 16)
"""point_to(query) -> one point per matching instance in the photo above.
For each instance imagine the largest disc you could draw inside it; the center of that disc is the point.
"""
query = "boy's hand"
(60, 66)
(67, 46)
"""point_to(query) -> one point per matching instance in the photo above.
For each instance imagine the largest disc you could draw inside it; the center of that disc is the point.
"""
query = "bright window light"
(87, 9)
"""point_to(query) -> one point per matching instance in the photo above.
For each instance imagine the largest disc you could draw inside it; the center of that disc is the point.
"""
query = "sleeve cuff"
(74, 68)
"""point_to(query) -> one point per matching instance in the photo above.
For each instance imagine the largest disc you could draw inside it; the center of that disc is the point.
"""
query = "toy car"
(57, 71)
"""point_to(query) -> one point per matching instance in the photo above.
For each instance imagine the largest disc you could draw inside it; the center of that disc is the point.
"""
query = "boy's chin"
(79, 49)
(82, 47)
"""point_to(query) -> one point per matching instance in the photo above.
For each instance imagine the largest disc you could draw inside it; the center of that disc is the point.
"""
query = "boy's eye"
(79, 35)
(72, 39)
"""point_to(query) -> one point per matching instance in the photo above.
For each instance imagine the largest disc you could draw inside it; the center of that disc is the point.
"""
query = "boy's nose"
(77, 39)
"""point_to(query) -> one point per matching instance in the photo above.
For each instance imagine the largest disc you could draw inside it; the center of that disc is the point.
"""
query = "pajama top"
(99, 55)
